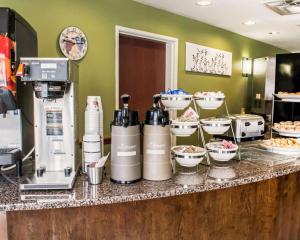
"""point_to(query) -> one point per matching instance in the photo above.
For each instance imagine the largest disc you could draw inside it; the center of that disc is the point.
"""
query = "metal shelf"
(287, 100)
(276, 100)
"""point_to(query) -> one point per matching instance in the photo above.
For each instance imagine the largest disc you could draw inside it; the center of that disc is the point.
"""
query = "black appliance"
(17, 39)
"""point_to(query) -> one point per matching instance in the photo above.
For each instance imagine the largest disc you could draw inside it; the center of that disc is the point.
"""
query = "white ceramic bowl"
(209, 102)
(172, 101)
(215, 126)
(183, 129)
(188, 159)
(222, 155)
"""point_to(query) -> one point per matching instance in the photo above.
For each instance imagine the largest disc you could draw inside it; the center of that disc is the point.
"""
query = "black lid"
(125, 117)
(156, 115)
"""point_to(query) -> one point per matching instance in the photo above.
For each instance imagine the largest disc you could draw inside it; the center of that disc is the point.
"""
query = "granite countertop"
(256, 165)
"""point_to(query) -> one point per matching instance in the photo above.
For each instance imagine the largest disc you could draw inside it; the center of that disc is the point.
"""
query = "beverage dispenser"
(157, 143)
(125, 145)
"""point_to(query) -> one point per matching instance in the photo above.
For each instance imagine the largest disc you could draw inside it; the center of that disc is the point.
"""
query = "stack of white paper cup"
(93, 138)
(91, 148)
(92, 116)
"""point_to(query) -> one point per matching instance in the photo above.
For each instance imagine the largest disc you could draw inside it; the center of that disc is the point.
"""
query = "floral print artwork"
(208, 60)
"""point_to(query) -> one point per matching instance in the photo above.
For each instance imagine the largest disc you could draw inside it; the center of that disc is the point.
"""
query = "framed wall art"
(207, 60)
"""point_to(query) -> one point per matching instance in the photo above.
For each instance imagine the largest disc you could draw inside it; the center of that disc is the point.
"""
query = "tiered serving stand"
(198, 107)
(170, 103)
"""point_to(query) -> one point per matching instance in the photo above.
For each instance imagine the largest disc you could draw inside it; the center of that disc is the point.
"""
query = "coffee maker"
(55, 84)
(157, 143)
(125, 145)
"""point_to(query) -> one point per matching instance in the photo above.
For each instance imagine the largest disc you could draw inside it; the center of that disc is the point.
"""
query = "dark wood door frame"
(142, 71)
(171, 56)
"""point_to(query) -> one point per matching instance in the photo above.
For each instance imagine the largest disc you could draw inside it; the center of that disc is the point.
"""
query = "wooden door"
(142, 67)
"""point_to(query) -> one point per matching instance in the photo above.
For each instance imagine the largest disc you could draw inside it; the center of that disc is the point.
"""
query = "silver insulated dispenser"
(157, 143)
(125, 145)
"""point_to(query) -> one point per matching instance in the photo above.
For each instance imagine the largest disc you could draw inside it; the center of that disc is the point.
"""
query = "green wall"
(97, 18)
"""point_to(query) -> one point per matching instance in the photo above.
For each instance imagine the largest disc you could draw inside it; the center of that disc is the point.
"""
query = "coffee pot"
(157, 143)
(125, 145)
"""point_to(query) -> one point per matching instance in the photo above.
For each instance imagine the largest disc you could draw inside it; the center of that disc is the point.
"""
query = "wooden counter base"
(264, 210)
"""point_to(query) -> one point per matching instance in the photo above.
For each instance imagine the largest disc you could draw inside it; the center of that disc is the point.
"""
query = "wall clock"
(73, 43)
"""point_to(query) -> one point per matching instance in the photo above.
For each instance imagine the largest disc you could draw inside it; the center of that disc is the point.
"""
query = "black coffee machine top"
(125, 117)
(157, 115)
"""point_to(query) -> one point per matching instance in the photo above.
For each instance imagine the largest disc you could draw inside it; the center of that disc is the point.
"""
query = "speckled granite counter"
(255, 166)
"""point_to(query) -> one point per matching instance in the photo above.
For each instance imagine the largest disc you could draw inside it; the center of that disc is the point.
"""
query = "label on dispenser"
(154, 148)
(126, 154)
(155, 152)
(54, 120)
(125, 150)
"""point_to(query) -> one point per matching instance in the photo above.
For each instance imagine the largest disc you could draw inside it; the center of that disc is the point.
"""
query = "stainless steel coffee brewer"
(125, 145)
(55, 83)
(157, 143)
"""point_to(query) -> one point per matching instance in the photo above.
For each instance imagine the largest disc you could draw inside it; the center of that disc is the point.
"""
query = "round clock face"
(73, 43)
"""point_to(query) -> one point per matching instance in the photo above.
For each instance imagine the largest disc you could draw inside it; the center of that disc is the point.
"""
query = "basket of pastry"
(287, 146)
(286, 96)
(288, 128)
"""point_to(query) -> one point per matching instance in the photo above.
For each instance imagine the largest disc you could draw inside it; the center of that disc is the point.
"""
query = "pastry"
(282, 142)
(288, 126)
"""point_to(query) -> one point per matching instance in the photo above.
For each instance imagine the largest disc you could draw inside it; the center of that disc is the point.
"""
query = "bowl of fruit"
(222, 151)
(186, 124)
(188, 155)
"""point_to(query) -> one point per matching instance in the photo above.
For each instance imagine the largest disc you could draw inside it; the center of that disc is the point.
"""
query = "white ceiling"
(230, 15)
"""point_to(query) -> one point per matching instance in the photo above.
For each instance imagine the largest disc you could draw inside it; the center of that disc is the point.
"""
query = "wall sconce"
(246, 67)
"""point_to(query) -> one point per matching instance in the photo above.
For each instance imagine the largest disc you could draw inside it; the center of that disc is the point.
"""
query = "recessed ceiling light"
(203, 3)
(249, 23)
(274, 33)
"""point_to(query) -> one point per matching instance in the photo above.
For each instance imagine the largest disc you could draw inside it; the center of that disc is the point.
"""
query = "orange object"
(7, 46)
(21, 70)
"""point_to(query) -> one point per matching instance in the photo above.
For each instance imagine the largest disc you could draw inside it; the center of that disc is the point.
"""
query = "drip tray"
(49, 180)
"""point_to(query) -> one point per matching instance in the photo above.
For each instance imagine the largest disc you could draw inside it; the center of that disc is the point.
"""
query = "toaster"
(246, 127)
